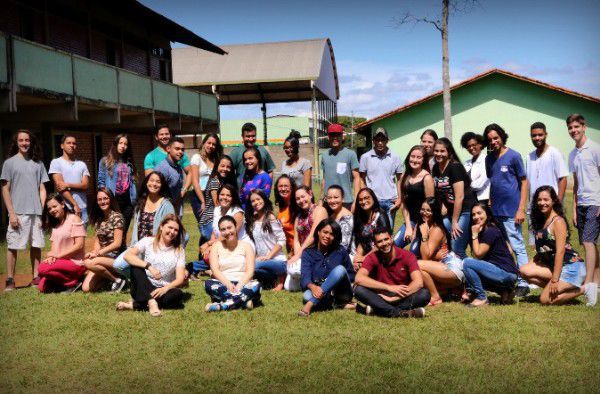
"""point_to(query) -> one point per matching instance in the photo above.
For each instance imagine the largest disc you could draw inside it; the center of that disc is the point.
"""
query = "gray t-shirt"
(25, 177)
(337, 170)
(381, 172)
(296, 172)
(72, 172)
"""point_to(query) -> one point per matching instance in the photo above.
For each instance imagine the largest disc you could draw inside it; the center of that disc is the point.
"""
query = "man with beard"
(389, 282)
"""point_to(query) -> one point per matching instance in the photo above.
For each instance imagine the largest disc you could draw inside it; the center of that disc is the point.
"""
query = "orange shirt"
(288, 228)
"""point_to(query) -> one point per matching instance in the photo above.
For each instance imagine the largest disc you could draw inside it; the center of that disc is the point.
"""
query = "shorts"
(30, 231)
(588, 223)
(455, 265)
(573, 273)
(121, 266)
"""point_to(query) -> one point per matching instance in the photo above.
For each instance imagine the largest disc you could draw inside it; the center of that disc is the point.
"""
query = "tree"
(442, 27)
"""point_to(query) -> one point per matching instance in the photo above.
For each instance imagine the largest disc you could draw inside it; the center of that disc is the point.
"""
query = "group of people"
(336, 249)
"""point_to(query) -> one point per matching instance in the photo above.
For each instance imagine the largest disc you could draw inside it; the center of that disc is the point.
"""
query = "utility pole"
(352, 129)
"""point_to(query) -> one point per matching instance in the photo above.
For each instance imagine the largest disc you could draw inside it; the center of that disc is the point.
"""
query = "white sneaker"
(590, 290)
(416, 313)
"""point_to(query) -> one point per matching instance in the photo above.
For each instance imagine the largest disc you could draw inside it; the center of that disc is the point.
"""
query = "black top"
(414, 196)
(444, 181)
(363, 234)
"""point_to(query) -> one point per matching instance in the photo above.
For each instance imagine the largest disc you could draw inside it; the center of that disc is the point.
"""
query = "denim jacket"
(316, 266)
(110, 182)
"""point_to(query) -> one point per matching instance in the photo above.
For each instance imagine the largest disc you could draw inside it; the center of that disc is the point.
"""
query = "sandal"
(153, 309)
(433, 302)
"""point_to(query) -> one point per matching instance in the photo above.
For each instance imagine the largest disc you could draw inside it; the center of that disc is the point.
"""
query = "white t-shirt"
(585, 163)
(165, 260)
(545, 170)
(479, 180)
(265, 242)
(72, 172)
(204, 170)
(242, 236)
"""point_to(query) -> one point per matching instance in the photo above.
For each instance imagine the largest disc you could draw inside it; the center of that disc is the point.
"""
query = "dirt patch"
(21, 280)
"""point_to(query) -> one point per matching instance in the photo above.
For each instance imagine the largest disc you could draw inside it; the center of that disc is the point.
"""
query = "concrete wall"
(511, 103)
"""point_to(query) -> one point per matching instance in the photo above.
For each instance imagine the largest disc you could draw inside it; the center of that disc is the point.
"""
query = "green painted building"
(278, 129)
(510, 100)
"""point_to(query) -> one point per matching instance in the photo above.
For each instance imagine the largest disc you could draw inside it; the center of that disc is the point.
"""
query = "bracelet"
(425, 239)
(474, 236)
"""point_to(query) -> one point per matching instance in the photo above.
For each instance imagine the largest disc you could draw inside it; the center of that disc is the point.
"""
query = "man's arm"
(61, 186)
(42, 194)
(398, 201)
(575, 186)
(188, 180)
(356, 182)
(520, 215)
(562, 187)
(12, 217)
(363, 279)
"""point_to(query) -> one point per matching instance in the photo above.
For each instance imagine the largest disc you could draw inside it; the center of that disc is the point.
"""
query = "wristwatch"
(147, 265)
(474, 236)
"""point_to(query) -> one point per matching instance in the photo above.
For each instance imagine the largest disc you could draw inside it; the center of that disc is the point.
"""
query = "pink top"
(63, 237)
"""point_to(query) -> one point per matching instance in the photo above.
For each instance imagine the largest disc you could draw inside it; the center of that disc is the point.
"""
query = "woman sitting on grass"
(556, 267)
(327, 272)
(157, 269)
(63, 266)
(232, 266)
(440, 267)
(254, 176)
(368, 216)
(268, 237)
(285, 192)
(492, 266)
(309, 215)
(108, 222)
(153, 205)
(334, 203)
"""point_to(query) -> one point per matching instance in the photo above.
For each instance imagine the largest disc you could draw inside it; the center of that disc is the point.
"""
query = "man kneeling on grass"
(390, 282)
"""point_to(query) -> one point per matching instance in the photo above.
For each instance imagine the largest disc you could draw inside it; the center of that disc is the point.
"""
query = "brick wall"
(134, 59)
(98, 52)
(68, 36)
(9, 18)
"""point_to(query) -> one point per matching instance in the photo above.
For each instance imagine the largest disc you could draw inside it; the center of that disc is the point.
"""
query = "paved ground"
(21, 280)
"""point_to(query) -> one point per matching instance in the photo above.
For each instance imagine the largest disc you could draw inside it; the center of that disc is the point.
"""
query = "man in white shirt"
(545, 166)
(71, 177)
(584, 163)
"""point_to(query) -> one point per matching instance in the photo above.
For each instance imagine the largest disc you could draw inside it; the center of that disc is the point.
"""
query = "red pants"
(61, 274)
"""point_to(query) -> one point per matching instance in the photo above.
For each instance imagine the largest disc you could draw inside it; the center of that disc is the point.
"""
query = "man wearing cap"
(340, 165)
(381, 170)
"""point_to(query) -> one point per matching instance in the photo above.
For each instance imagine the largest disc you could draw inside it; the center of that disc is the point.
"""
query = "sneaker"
(212, 307)
(118, 285)
(590, 290)
(35, 281)
(416, 313)
(10, 285)
(521, 291)
(249, 305)
(73, 289)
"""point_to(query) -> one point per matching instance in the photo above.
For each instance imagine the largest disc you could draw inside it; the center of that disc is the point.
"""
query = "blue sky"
(382, 66)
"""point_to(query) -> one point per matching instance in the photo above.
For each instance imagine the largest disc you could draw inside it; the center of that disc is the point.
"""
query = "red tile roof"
(473, 79)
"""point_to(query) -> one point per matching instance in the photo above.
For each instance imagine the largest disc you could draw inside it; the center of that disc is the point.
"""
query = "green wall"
(278, 129)
(509, 102)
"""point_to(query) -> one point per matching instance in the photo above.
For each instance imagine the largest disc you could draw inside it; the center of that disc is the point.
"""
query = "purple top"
(122, 185)
(257, 181)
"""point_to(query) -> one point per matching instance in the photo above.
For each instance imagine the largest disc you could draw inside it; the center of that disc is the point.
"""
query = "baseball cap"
(335, 128)
(380, 131)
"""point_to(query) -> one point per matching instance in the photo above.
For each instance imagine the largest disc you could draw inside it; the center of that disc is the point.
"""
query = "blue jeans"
(218, 293)
(459, 245)
(401, 243)
(338, 283)
(387, 206)
(481, 275)
(270, 270)
(515, 238)
(205, 232)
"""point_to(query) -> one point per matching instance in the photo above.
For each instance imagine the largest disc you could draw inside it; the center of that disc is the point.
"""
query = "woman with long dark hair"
(157, 269)
(232, 267)
(334, 203)
(222, 173)
(453, 190)
(63, 266)
(309, 216)
(254, 176)
(285, 191)
(368, 215)
(202, 167)
(416, 185)
(326, 273)
(492, 266)
(108, 223)
(269, 240)
(556, 267)
(441, 268)
(297, 168)
(117, 172)
(428, 139)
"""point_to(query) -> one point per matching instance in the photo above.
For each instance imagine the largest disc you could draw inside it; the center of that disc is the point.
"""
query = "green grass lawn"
(79, 343)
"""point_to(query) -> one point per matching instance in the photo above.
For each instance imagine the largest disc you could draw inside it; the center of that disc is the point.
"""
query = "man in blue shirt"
(173, 172)
(505, 170)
